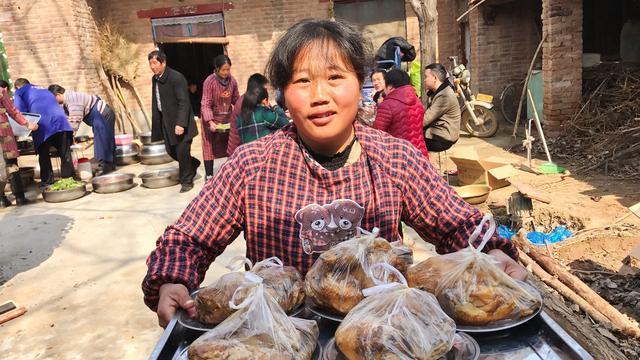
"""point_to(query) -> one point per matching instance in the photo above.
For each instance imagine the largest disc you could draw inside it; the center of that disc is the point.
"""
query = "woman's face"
(224, 71)
(378, 81)
(322, 98)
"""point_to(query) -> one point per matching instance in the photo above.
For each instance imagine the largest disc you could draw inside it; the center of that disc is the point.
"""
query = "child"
(303, 185)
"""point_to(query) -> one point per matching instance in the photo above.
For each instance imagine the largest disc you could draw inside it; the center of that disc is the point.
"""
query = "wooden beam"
(201, 9)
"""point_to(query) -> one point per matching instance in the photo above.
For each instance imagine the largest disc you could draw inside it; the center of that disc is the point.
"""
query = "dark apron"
(104, 143)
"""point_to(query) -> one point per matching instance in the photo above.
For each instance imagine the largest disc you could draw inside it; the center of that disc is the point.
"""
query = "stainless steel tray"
(540, 338)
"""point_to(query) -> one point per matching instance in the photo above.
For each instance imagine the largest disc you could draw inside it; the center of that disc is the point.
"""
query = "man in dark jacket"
(400, 113)
(172, 116)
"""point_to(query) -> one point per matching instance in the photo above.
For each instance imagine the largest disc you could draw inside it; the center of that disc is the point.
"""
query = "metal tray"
(541, 338)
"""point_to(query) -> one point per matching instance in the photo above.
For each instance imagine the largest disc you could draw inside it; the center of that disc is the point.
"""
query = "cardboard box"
(476, 169)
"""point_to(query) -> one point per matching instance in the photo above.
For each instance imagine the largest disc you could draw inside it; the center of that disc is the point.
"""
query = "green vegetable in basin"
(64, 184)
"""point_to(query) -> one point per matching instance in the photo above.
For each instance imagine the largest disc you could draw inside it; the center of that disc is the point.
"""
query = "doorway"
(193, 60)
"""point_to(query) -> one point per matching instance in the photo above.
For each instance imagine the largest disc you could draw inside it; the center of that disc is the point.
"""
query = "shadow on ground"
(27, 241)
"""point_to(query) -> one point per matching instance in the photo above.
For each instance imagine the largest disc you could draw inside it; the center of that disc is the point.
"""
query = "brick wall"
(252, 28)
(562, 61)
(501, 52)
(50, 41)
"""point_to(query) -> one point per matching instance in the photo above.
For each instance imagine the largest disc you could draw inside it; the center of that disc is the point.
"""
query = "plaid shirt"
(261, 187)
(264, 121)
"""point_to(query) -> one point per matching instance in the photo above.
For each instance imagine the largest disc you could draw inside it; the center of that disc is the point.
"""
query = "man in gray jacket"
(442, 118)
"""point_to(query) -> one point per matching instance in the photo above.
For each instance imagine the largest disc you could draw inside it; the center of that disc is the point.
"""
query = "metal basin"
(128, 159)
(64, 195)
(145, 139)
(127, 149)
(160, 178)
(474, 194)
(154, 154)
(112, 183)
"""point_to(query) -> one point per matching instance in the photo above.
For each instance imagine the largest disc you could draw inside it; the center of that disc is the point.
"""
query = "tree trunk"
(427, 14)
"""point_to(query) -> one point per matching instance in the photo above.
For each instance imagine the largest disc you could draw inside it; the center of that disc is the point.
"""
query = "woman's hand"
(173, 297)
(212, 126)
(32, 126)
(508, 265)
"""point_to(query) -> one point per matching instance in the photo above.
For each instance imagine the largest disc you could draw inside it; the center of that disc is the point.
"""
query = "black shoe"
(22, 200)
(186, 187)
(4, 202)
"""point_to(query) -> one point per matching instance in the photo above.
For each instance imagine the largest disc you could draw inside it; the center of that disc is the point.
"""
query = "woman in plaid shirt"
(312, 183)
(257, 119)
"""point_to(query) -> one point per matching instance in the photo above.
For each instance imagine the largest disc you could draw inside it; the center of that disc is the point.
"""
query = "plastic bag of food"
(336, 279)
(284, 283)
(395, 321)
(259, 329)
(471, 288)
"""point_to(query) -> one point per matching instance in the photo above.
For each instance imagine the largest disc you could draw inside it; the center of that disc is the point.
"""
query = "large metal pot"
(154, 154)
(64, 195)
(127, 154)
(145, 139)
(112, 183)
(160, 178)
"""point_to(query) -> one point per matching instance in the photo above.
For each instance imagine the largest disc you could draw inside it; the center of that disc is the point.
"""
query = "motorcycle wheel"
(489, 126)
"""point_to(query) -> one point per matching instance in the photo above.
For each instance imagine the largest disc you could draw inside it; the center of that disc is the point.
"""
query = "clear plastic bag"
(259, 329)
(284, 283)
(395, 321)
(471, 288)
(336, 279)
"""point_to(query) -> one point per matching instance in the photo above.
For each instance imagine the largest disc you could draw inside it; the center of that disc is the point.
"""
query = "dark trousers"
(438, 144)
(61, 142)
(181, 152)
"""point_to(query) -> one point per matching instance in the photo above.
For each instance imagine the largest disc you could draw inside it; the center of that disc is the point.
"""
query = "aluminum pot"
(154, 154)
(127, 149)
(145, 139)
(64, 195)
(160, 178)
(112, 183)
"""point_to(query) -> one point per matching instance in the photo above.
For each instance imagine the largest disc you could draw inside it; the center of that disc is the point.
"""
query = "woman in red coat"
(401, 112)
(9, 148)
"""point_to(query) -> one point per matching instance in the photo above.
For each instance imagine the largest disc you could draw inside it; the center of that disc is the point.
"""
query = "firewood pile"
(604, 134)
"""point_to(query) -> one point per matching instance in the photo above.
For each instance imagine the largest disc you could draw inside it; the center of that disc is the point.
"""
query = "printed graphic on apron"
(323, 226)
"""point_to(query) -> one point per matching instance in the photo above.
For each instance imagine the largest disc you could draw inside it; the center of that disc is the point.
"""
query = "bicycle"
(510, 99)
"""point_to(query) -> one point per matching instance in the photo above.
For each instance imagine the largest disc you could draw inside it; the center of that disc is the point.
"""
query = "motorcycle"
(477, 115)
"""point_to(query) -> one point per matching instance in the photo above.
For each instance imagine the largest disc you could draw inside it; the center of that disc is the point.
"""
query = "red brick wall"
(252, 28)
(501, 52)
(50, 41)
(562, 61)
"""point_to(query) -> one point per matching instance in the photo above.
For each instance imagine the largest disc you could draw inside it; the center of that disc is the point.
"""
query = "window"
(199, 26)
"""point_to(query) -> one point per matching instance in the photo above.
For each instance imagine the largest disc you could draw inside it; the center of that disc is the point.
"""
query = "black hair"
(257, 79)
(438, 71)
(4, 84)
(158, 55)
(220, 60)
(353, 48)
(56, 89)
(396, 78)
(377, 71)
(20, 82)
(251, 99)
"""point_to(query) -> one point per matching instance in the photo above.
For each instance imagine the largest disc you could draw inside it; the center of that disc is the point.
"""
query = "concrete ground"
(77, 267)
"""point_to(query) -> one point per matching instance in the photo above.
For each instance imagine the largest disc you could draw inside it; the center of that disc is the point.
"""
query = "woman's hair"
(377, 71)
(254, 96)
(4, 84)
(396, 78)
(327, 36)
(20, 82)
(56, 89)
(220, 60)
